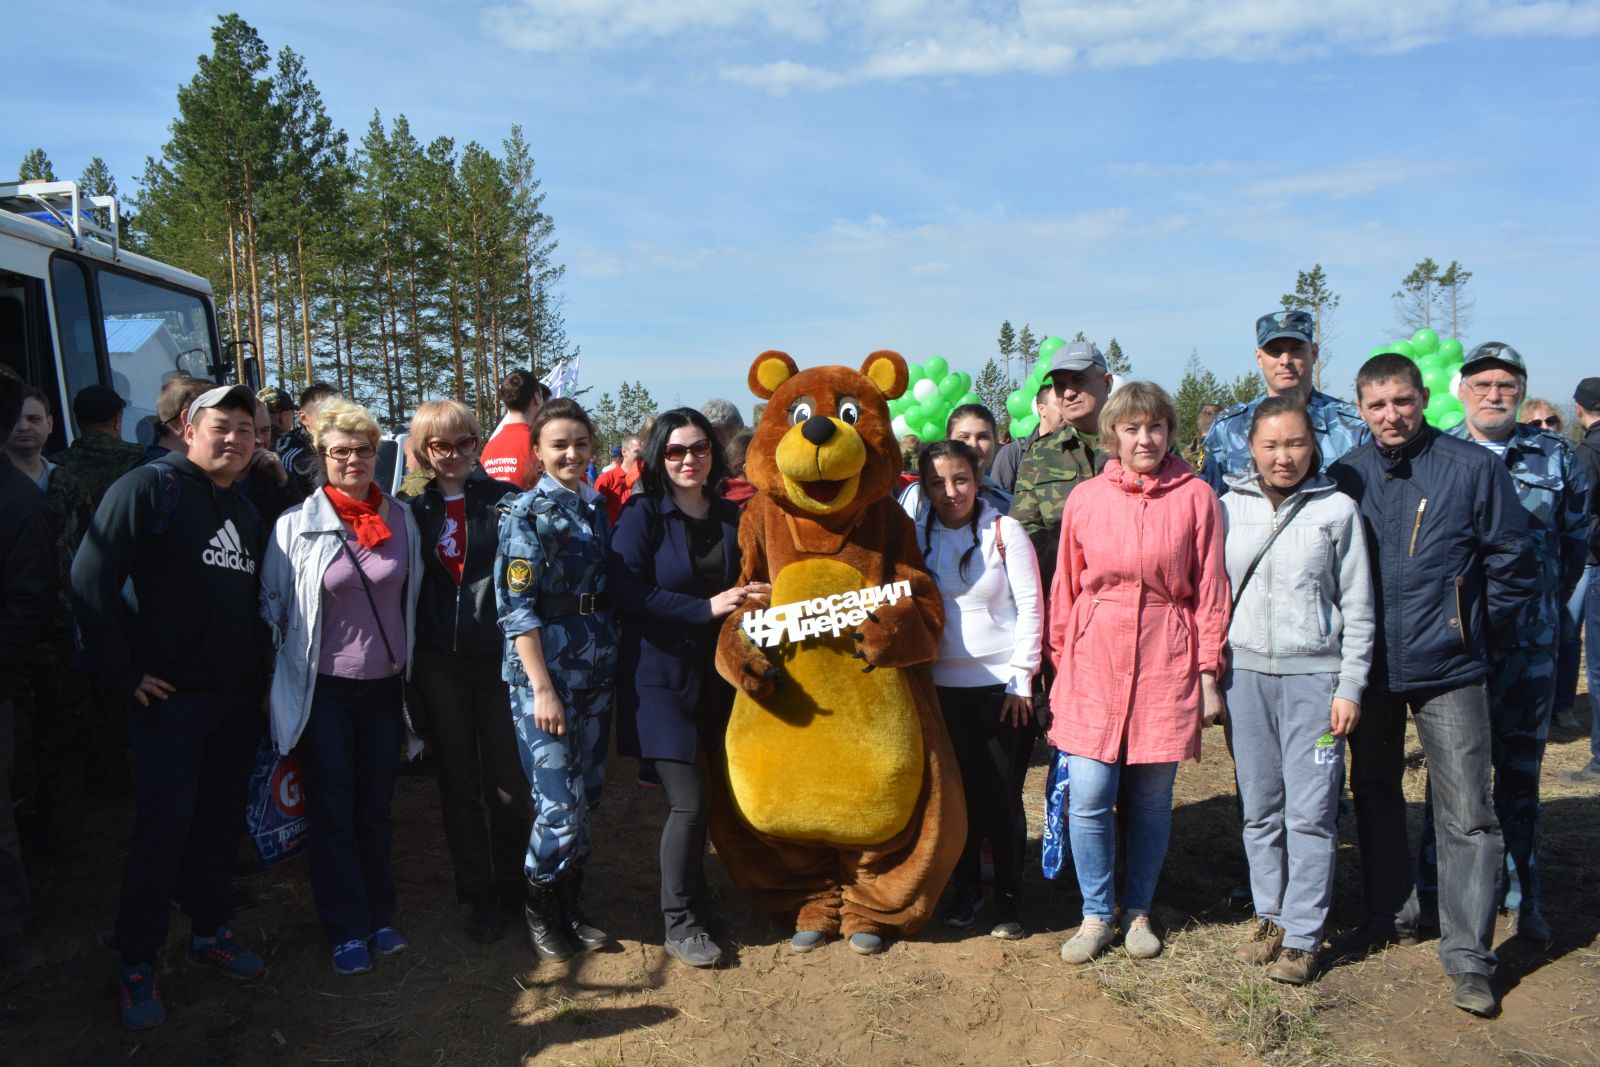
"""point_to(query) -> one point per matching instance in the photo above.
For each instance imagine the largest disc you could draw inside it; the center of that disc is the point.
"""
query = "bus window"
(152, 334)
(75, 329)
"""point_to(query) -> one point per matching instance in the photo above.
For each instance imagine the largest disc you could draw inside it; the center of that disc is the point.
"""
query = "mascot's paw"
(874, 640)
(758, 675)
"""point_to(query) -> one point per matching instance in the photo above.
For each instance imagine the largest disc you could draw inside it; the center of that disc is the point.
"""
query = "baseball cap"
(1079, 355)
(1587, 395)
(213, 397)
(1494, 352)
(97, 404)
(1296, 324)
(616, 450)
(277, 400)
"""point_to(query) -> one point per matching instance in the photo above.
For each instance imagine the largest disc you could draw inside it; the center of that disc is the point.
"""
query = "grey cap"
(1494, 352)
(1079, 355)
(212, 397)
(1296, 324)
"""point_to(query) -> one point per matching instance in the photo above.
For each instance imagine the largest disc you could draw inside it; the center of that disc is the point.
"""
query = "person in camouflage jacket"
(99, 455)
(1553, 490)
(1286, 351)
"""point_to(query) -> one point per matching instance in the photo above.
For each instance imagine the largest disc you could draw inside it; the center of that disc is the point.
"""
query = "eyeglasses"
(340, 453)
(1549, 422)
(1480, 388)
(446, 449)
(700, 450)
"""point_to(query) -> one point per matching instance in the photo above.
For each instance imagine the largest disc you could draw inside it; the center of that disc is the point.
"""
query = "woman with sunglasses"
(458, 699)
(672, 567)
(339, 586)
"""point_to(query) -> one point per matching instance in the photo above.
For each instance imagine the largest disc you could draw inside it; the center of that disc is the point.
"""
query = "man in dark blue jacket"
(1452, 568)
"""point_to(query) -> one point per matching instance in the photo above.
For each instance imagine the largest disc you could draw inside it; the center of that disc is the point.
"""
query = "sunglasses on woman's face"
(1549, 422)
(446, 449)
(700, 449)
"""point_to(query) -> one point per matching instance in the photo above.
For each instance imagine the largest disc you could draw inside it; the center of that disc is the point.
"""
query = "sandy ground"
(942, 997)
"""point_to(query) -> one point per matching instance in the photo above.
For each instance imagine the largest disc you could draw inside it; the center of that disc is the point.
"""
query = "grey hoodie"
(1308, 609)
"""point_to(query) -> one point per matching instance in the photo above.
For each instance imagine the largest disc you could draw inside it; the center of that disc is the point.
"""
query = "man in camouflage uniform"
(1554, 492)
(50, 698)
(99, 455)
(1286, 352)
(550, 582)
(1064, 454)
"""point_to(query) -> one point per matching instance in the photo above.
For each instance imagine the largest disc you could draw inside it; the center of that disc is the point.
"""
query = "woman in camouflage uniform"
(560, 661)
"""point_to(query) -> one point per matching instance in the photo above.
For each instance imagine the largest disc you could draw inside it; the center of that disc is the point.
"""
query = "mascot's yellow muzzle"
(821, 460)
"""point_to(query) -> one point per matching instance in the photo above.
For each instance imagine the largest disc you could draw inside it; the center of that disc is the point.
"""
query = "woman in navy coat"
(671, 573)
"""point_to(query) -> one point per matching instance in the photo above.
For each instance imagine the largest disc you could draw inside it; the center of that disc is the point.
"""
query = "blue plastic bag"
(275, 808)
(1054, 852)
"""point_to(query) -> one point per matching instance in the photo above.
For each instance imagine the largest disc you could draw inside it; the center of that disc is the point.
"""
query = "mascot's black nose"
(817, 429)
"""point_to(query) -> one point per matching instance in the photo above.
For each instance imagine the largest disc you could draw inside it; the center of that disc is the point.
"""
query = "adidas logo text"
(225, 551)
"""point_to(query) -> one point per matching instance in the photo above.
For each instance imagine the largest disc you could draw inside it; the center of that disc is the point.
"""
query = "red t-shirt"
(509, 455)
(615, 485)
(452, 546)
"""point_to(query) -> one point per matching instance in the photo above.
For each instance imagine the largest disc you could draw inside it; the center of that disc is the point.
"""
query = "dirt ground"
(942, 997)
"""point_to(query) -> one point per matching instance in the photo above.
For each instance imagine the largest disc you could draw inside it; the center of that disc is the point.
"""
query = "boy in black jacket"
(1452, 565)
(187, 650)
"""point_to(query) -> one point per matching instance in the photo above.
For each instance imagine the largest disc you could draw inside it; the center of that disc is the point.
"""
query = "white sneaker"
(1092, 938)
(1137, 937)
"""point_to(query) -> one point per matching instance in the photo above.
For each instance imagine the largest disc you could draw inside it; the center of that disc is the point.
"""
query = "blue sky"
(830, 178)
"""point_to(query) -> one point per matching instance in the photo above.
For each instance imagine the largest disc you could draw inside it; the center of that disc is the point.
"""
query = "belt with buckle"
(556, 606)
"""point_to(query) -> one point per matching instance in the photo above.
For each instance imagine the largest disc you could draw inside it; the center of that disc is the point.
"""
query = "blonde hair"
(1135, 399)
(438, 419)
(345, 416)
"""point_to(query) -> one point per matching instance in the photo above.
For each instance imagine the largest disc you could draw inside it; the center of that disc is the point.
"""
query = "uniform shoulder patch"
(519, 575)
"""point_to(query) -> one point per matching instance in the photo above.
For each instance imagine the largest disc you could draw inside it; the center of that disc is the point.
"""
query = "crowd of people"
(1319, 569)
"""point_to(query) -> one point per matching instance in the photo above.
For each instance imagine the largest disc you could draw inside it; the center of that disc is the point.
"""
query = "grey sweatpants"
(1289, 775)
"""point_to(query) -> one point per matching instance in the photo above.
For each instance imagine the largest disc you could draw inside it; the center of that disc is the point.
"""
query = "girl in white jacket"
(988, 576)
(1301, 643)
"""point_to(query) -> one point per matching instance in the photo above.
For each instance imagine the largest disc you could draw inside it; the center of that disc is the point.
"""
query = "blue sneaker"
(352, 957)
(224, 955)
(142, 1006)
(388, 941)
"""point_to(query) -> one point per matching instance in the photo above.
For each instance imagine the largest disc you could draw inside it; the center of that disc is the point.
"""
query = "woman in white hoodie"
(1302, 634)
(988, 576)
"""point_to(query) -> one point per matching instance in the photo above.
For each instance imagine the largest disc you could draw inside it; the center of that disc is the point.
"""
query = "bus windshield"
(152, 334)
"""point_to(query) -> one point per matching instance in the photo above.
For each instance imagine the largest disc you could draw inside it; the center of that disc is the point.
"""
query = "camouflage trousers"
(51, 704)
(565, 775)
(1521, 701)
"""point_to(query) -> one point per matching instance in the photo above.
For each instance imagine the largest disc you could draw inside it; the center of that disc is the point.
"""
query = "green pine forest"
(397, 270)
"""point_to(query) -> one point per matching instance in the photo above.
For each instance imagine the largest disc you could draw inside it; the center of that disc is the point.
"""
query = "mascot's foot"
(806, 940)
(866, 944)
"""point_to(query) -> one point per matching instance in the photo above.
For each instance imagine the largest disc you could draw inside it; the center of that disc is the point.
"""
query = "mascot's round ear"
(770, 370)
(886, 370)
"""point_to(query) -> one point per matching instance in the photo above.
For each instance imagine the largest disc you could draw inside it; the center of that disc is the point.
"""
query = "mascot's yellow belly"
(834, 753)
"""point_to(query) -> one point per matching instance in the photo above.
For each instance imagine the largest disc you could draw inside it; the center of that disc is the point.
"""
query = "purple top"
(351, 644)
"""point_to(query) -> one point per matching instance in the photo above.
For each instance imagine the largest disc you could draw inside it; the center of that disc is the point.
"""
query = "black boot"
(577, 925)
(542, 916)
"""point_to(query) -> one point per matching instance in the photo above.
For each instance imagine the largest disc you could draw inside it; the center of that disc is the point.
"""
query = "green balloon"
(950, 387)
(1404, 348)
(1042, 364)
(1017, 404)
(1424, 341)
(936, 368)
(1023, 427)
(970, 398)
(931, 431)
(1450, 349)
(1437, 379)
(914, 375)
(1048, 346)
(966, 380)
(1451, 418)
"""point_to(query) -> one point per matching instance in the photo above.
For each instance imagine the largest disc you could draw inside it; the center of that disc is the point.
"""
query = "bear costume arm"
(741, 664)
(905, 634)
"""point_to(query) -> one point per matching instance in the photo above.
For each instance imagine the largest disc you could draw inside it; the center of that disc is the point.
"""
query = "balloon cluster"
(1440, 363)
(1024, 420)
(933, 391)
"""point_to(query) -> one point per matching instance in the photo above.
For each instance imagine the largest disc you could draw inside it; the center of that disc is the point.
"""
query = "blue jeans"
(1092, 830)
(349, 755)
(1570, 644)
(1591, 627)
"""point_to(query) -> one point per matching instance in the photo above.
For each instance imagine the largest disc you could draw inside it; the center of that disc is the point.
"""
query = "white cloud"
(891, 40)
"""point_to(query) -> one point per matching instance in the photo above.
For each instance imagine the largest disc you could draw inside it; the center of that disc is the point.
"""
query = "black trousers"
(483, 792)
(993, 758)
(683, 848)
(192, 756)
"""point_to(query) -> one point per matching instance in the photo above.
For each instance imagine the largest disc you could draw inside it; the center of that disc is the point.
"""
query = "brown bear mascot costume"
(837, 803)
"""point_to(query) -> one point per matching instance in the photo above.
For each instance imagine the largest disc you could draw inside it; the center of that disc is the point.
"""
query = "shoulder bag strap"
(999, 541)
(366, 587)
(1266, 547)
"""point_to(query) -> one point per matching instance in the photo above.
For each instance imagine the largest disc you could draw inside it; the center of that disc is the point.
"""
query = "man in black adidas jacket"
(187, 650)
(1452, 564)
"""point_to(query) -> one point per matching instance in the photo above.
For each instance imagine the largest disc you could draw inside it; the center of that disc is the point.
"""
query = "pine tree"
(1417, 299)
(1311, 293)
(1244, 388)
(993, 386)
(1008, 349)
(1079, 336)
(1116, 362)
(1197, 388)
(634, 406)
(1456, 306)
(540, 320)
(1027, 350)
(97, 180)
(35, 167)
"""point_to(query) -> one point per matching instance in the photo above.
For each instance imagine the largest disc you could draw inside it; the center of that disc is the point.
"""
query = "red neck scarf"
(361, 515)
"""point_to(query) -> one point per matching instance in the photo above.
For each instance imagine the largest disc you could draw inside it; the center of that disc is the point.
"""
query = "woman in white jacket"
(988, 576)
(1302, 635)
(339, 587)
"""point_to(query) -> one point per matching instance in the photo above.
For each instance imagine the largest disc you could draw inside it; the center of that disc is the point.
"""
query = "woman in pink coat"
(1138, 621)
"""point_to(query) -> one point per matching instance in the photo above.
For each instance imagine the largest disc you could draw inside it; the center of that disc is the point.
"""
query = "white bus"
(76, 309)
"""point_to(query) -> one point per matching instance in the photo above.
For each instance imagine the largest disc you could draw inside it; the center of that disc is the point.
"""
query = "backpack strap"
(169, 491)
(999, 541)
